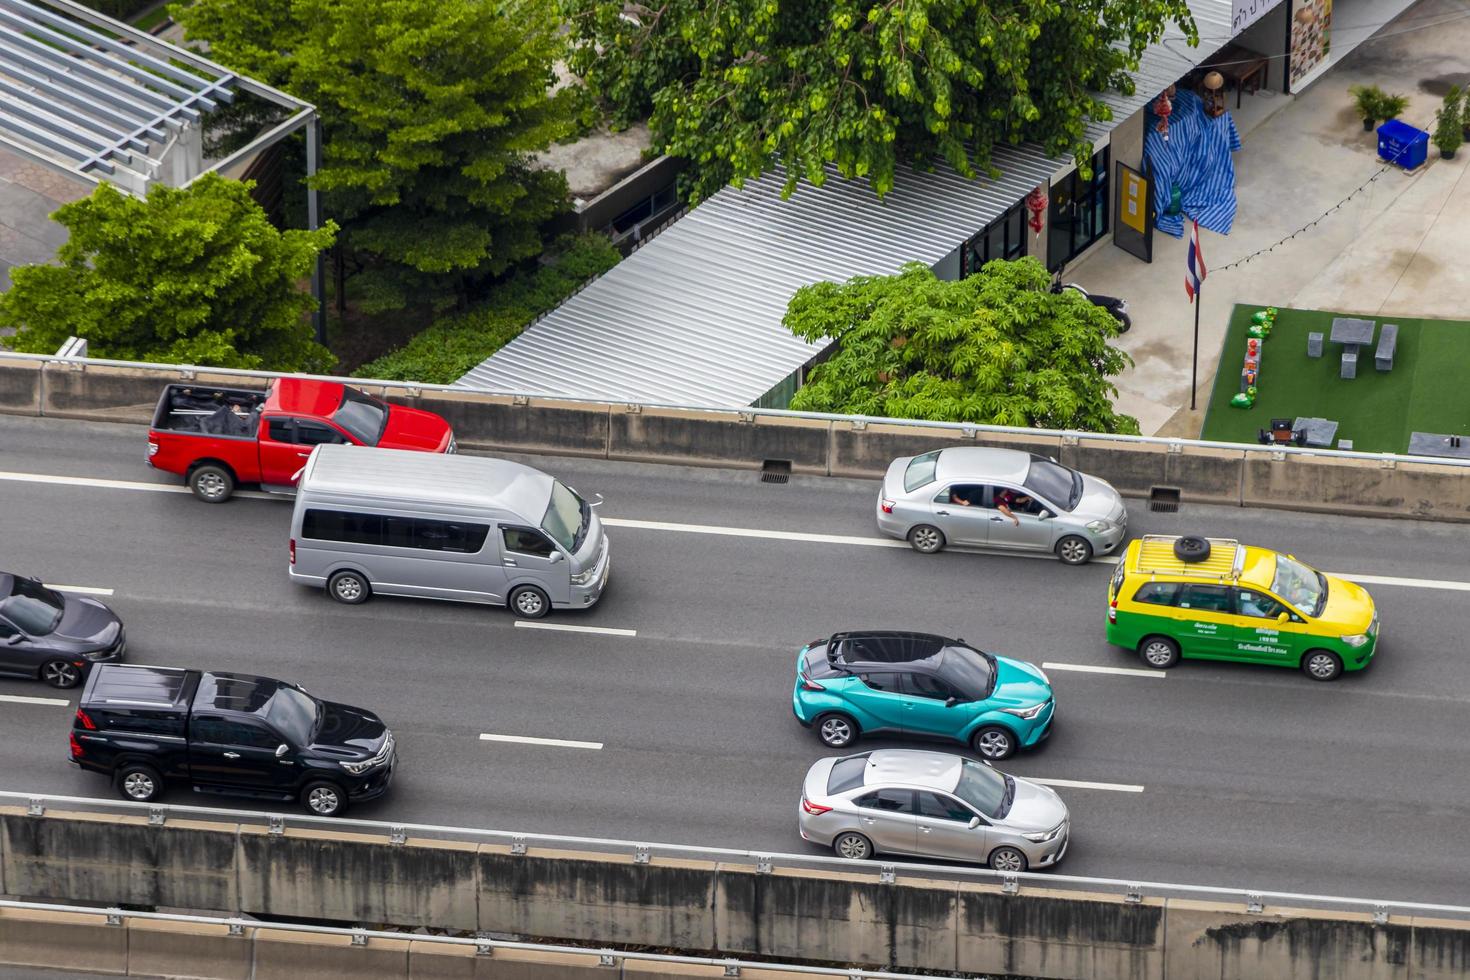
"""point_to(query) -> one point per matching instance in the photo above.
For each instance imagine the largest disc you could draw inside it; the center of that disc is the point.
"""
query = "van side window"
(525, 541)
(336, 525)
(394, 532)
(1156, 593)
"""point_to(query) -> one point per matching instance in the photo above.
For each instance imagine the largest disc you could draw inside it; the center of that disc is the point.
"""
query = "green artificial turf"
(1427, 390)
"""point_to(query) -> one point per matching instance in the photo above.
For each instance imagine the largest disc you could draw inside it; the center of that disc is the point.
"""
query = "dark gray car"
(54, 636)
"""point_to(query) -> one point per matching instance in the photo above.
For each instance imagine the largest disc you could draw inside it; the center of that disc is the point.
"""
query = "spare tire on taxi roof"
(1191, 548)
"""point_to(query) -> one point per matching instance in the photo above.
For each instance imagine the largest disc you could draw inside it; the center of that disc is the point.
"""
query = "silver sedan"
(1000, 498)
(933, 805)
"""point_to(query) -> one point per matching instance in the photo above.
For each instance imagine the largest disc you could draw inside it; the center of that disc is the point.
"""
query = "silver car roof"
(913, 767)
(398, 474)
(978, 464)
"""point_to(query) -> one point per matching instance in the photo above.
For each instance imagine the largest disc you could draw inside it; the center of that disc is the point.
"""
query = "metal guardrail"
(483, 945)
(413, 389)
(765, 862)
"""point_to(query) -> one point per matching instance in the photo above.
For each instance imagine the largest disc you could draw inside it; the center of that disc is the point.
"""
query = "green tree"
(738, 85)
(194, 276)
(996, 348)
(432, 110)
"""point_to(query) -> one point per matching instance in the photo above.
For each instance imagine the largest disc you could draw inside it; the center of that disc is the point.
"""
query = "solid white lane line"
(565, 743)
(565, 628)
(1078, 784)
(84, 481)
(1409, 583)
(18, 699)
(1089, 669)
(748, 532)
(79, 589)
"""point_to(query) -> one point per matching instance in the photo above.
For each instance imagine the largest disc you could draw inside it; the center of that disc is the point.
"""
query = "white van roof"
(399, 474)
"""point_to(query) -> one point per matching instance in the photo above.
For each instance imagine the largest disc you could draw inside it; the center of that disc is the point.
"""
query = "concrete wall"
(821, 914)
(1244, 476)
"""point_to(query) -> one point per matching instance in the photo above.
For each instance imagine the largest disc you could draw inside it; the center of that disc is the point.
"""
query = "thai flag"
(1196, 261)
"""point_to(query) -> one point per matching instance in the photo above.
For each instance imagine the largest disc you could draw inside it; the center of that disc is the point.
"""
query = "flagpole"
(1194, 361)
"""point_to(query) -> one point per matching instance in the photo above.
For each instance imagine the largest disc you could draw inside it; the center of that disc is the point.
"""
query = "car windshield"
(968, 671)
(293, 714)
(1299, 585)
(1054, 482)
(567, 517)
(983, 788)
(847, 773)
(32, 607)
(920, 471)
(362, 415)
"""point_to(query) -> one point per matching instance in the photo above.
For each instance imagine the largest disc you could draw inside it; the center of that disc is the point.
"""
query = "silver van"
(464, 528)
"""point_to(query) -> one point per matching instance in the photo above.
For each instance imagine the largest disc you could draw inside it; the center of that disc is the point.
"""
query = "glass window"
(32, 607)
(526, 542)
(1205, 598)
(224, 731)
(335, 525)
(278, 430)
(1259, 604)
(1054, 482)
(983, 788)
(1156, 593)
(942, 806)
(920, 471)
(882, 682)
(425, 534)
(924, 686)
(567, 517)
(362, 415)
(316, 434)
(962, 495)
(292, 713)
(847, 774)
(970, 674)
(1299, 585)
(6, 629)
(889, 800)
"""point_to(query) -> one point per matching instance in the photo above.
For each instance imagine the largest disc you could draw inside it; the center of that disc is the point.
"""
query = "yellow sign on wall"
(1133, 201)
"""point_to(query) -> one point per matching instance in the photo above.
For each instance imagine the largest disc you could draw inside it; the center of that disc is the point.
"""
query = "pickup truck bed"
(209, 411)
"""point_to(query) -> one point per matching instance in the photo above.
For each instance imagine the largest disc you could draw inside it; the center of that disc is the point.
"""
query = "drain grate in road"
(1163, 500)
(776, 471)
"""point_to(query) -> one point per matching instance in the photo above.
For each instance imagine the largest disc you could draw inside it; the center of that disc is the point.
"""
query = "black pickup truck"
(233, 734)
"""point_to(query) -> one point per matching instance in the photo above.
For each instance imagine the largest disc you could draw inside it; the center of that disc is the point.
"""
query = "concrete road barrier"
(792, 908)
(1249, 476)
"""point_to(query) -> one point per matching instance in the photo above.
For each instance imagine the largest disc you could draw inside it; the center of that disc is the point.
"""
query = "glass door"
(1079, 212)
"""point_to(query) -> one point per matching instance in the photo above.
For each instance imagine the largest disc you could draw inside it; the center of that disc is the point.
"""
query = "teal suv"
(901, 683)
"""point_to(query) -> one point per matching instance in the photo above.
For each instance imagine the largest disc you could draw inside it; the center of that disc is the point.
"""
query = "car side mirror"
(951, 702)
(1283, 617)
(282, 749)
(974, 823)
(554, 557)
(597, 502)
(1045, 515)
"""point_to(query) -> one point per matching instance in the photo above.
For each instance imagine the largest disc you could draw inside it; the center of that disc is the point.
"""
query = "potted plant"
(1391, 106)
(1367, 99)
(1448, 125)
(1465, 115)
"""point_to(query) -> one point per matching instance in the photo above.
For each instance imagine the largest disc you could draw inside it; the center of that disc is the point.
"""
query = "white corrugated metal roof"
(694, 316)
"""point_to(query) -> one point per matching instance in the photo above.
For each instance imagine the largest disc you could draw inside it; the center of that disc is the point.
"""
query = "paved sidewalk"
(1399, 247)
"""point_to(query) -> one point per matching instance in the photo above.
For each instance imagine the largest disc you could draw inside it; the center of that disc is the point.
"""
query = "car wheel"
(1322, 665)
(1011, 860)
(853, 846)
(1191, 548)
(926, 539)
(994, 743)
(212, 483)
(324, 799)
(349, 587)
(139, 783)
(836, 731)
(530, 602)
(61, 673)
(1159, 651)
(1074, 550)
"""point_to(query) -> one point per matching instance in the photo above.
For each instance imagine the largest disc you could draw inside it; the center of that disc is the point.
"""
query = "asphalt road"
(1252, 777)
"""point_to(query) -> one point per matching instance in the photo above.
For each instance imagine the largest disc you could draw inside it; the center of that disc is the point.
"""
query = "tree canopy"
(738, 85)
(996, 348)
(195, 276)
(431, 111)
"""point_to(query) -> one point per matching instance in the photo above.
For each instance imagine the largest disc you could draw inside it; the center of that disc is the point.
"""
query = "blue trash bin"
(1400, 143)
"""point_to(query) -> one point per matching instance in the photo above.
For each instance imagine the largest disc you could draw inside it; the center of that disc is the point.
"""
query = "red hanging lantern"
(1036, 203)
(1163, 107)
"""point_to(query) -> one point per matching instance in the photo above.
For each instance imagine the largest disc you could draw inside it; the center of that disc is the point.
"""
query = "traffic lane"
(714, 589)
(728, 497)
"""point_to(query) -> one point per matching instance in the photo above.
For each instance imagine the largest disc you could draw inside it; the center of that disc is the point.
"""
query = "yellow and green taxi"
(1217, 599)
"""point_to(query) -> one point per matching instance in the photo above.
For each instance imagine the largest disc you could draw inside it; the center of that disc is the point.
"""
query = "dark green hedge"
(444, 352)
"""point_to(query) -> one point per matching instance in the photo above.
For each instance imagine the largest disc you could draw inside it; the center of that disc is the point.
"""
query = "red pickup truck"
(217, 438)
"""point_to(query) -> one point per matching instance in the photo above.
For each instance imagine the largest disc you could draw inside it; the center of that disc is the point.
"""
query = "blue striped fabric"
(1196, 159)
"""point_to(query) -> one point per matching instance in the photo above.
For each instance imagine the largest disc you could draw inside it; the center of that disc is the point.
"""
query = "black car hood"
(86, 623)
(349, 732)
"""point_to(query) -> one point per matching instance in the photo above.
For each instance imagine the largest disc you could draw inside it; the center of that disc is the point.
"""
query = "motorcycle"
(1115, 305)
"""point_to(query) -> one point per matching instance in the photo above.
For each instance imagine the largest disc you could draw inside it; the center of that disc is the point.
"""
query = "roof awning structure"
(91, 95)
